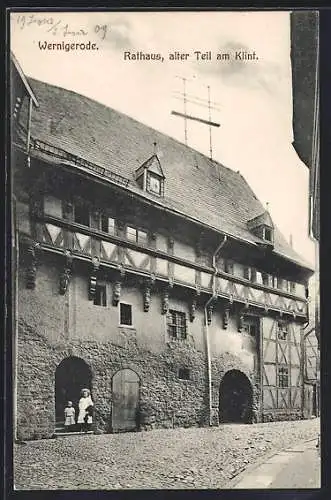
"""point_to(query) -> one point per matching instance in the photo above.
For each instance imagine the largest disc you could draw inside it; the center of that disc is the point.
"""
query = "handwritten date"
(58, 27)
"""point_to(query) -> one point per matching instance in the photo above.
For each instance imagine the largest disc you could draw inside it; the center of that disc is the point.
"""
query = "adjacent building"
(145, 272)
(305, 83)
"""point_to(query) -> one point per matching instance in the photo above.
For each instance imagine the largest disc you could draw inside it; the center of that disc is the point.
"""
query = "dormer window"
(262, 226)
(150, 177)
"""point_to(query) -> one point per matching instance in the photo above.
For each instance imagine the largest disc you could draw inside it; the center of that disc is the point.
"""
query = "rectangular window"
(292, 287)
(153, 183)
(82, 215)
(250, 274)
(107, 224)
(282, 330)
(125, 314)
(267, 234)
(266, 279)
(176, 323)
(52, 206)
(251, 326)
(184, 373)
(228, 264)
(100, 298)
(136, 235)
(280, 283)
(283, 377)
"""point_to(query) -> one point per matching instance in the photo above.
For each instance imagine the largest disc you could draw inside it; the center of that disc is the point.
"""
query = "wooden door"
(125, 397)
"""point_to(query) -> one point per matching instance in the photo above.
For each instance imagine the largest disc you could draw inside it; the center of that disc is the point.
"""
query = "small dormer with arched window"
(263, 227)
(150, 177)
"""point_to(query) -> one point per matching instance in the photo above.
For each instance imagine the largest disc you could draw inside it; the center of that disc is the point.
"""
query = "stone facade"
(53, 327)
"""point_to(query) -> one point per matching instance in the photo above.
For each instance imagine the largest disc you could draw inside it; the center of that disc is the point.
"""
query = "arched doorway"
(235, 398)
(72, 375)
(125, 401)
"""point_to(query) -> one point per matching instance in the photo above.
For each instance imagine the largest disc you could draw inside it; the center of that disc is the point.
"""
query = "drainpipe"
(211, 299)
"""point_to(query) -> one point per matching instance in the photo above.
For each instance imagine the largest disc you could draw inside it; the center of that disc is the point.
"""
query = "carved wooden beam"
(117, 286)
(241, 321)
(93, 277)
(210, 310)
(66, 274)
(165, 297)
(226, 317)
(193, 306)
(31, 270)
(147, 286)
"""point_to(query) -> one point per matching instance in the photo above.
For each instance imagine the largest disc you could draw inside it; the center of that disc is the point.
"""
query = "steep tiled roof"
(195, 186)
(260, 220)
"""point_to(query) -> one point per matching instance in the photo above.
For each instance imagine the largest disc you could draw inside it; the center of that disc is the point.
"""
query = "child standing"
(69, 416)
(85, 406)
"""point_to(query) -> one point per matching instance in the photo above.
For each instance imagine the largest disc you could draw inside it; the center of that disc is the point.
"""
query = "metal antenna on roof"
(154, 147)
(197, 101)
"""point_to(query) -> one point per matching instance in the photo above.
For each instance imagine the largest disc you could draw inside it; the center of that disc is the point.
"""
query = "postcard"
(165, 208)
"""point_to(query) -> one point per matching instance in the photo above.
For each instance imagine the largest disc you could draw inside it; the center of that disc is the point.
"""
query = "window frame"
(280, 329)
(137, 230)
(251, 321)
(265, 230)
(104, 296)
(152, 175)
(123, 325)
(84, 207)
(184, 370)
(178, 328)
(283, 374)
(106, 216)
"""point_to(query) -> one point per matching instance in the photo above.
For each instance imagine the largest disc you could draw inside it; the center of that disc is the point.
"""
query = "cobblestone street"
(162, 459)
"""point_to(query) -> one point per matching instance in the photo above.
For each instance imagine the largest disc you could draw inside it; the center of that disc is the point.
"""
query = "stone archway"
(235, 398)
(71, 376)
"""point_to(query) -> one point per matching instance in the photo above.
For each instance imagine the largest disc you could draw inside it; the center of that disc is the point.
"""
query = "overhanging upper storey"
(71, 130)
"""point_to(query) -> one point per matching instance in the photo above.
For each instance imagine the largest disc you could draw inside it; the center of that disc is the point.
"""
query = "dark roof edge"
(24, 79)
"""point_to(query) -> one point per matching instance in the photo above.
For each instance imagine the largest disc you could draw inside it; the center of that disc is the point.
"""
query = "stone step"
(77, 433)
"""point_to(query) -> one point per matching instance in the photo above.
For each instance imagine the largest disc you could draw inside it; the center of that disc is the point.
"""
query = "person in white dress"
(69, 416)
(85, 406)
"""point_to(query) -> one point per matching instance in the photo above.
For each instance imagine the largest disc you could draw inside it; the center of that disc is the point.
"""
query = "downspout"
(211, 299)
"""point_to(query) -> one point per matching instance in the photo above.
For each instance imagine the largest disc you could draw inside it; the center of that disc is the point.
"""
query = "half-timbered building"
(147, 273)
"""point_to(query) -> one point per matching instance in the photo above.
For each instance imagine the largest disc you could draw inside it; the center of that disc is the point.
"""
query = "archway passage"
(72, 375)
(125, 398)
(236, 398)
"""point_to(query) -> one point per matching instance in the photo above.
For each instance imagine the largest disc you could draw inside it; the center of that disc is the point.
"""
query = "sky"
(253, 97)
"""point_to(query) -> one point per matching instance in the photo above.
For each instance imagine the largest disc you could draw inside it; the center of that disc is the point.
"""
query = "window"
(266, 279)
(267, 233)
(280, 283)
(125, 314)
(228, 267)
(282, 330)
(107, 224)
(153, 183)
(136, 235)
(282, 376)
(100, 298)
(250, 326)
(184, 373)
(82, 215)
(292, 287)
(250, 274)
(176, 323)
